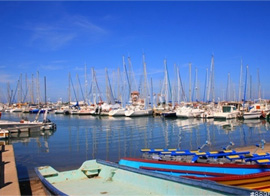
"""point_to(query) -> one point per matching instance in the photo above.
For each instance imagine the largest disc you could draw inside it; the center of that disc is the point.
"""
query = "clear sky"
(56, 38)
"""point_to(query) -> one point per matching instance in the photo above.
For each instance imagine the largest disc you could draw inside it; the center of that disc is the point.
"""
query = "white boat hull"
(135, 113)
(252, 115)
(117, 112)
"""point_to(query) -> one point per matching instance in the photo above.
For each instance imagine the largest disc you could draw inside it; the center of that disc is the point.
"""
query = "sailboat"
(106, 107)
(140, 102)
(94, 108)
(259, 108)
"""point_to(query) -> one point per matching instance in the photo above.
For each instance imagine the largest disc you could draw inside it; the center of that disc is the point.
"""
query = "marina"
(81, 138)
(134, 98)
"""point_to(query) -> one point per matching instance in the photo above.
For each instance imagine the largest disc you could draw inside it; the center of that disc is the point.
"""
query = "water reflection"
(79, 138)
(28, 136)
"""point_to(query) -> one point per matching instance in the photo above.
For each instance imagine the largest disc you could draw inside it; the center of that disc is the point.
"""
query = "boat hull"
(117, 112)
(168, 114)
(97, 177)
(258, 181)
(137, 113)
(252, 115)
(180, 168)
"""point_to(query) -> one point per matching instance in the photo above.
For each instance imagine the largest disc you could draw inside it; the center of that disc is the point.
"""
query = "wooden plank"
(9, 184)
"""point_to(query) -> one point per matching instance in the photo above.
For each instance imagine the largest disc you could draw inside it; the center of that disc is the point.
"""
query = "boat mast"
(259, 85)
(109, 93)
(133, 84)
(250, 87)
(245, 85)
(45, 91)
(178, 85)
(26, 89)
(240, 82)
(145, 88)
(211, 87)
(189, 82)
(38, 89)
(196, 83)
(19, 92)
(127, 81)
(205, 85)
(97, 87)
(69, 93)
(85, 83)
(166, 85)
(9, 94)
(93, 88)
(81, 88)
(181, 86)
(228, 95)
(71, 82)
(32, 90)
(151, 94)
(119, 89)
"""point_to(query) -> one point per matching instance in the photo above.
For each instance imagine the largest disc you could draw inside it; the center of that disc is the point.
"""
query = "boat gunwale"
(52, 189)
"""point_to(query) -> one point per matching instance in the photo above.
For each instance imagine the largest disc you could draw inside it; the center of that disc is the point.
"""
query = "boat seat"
(158, 150)
(179, 153)
(256, 158)
(248, 157)
(263, 161)
(48, 172)
(91, 171)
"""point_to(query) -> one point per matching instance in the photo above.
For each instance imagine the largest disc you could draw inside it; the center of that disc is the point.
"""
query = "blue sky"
(56, 38)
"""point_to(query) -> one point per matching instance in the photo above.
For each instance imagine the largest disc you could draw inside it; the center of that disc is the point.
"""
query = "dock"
(9, 184)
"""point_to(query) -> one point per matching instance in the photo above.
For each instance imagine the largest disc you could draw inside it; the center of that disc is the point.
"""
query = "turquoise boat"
(97, 177)
(178, 168)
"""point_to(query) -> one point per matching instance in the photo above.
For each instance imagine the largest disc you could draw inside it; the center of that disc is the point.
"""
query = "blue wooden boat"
(176, 168)
(96, 177)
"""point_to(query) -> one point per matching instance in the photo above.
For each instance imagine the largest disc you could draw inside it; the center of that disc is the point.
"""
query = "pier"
(9, 184)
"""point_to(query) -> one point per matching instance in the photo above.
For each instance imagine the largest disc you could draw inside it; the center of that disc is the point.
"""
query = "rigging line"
(73, 89)
(81, 88)
(100, 98)
(13, 98)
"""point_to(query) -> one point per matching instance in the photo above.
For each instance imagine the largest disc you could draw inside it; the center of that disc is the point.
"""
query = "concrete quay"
(9, 184)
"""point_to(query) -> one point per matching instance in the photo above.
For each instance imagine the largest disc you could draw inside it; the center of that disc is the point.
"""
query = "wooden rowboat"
(258, 181)
(177, 168)
(96, 177)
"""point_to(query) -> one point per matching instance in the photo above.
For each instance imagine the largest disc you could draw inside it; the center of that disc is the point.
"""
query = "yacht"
(227, 112)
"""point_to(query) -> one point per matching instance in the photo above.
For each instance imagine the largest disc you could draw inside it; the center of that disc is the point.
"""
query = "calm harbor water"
(80, 138)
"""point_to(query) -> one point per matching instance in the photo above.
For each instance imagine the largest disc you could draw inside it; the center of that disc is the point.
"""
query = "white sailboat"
(140, 106)
(168, 95)
(117, 110)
